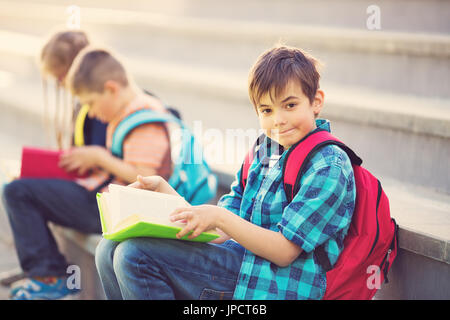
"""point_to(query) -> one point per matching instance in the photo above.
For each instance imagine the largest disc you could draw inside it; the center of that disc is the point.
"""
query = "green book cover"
(136, 213)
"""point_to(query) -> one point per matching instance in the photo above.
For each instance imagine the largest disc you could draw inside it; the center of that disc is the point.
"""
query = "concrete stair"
(402, 15)
(413, 130)
(386, 91)
(400, 62)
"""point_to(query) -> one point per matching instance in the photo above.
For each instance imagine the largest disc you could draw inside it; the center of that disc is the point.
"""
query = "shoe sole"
(9, 277)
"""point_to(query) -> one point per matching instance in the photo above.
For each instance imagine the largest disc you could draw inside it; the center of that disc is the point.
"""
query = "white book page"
(111, 215)
(107, 218)
(153, 207)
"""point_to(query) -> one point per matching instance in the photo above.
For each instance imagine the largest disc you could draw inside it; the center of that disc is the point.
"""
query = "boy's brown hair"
(277, 66)
(92, 68)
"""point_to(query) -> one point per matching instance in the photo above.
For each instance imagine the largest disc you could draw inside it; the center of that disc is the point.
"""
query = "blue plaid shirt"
(320, 213)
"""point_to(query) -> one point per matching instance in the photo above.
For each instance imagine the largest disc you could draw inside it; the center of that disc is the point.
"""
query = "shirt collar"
(323, 124)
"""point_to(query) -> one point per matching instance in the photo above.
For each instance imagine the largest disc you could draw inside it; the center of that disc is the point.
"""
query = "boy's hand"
(83, 158)
(153, 183)
(198, 219)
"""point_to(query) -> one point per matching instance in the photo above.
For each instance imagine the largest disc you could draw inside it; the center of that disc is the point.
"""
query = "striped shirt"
(147, 145)
(319, 214)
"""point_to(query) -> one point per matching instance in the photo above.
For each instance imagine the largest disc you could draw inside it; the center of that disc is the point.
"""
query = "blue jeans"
(31, 204)
(164, 269)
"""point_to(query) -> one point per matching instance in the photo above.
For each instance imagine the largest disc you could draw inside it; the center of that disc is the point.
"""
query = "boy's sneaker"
(32, 289)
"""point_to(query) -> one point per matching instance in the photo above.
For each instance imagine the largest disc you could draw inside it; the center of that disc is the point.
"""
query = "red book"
(43, 163)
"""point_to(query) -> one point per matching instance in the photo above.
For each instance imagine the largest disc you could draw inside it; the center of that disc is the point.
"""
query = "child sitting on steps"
(268, 243)
(100, 81)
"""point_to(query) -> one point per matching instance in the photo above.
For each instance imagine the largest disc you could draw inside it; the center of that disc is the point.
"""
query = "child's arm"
(122, 170)
(144, 153)
(321, 209)
(268, 244)
(85, 158)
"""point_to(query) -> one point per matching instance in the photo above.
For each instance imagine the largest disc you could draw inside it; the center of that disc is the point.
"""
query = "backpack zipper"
(376, 214)
(385, 265)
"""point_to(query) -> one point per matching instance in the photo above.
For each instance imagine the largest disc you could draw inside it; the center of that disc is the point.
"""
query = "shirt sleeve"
(232, 201)
(324, 204)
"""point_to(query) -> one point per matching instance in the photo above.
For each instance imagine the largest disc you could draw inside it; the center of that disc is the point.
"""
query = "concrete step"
(231, 84)
(397, 62)
(414, 131)
(401, 15)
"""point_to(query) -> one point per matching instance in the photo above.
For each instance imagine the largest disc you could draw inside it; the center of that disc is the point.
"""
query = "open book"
(127, 212)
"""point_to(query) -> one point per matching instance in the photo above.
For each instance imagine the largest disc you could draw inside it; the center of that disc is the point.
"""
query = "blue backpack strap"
(134, 120)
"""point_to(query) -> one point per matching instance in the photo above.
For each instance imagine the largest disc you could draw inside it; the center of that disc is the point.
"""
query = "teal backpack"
(191, 178)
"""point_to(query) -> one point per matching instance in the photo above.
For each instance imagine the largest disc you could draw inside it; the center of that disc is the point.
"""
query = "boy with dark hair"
(267, 247)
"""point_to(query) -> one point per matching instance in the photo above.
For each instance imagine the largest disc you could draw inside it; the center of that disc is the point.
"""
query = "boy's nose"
(279, 119)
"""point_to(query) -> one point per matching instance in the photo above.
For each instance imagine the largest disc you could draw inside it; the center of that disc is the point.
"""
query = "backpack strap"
(300, 153)
(294, 165)
(78, 135)
(249, 160)
(134, 120)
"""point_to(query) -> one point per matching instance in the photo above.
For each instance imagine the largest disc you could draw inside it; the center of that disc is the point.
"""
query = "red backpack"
(370, 245)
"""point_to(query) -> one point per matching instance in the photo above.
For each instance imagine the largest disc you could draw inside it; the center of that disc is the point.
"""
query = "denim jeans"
(31, 204)
(164, 269)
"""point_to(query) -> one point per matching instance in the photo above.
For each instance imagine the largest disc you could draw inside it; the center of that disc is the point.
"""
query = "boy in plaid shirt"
(267, 247)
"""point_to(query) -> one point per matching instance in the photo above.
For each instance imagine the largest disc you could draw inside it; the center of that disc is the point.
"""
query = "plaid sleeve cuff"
(232, 201)
(295, 237)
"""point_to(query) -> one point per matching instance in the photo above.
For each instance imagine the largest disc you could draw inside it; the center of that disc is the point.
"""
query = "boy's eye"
(265, 111)
(291, 105)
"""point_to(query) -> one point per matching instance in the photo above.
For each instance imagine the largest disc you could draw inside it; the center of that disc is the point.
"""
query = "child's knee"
(126, 257)
(104, 253)
(137, 253)
(13, 191)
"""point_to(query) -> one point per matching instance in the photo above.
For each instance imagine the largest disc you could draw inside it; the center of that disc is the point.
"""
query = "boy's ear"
(111, 86)
(318, 102)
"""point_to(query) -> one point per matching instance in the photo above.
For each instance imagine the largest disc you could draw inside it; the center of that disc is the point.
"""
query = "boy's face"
(104, 106)
(291, 116)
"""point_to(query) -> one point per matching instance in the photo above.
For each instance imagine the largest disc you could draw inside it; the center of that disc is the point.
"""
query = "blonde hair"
(56, 58)
(60, 50)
